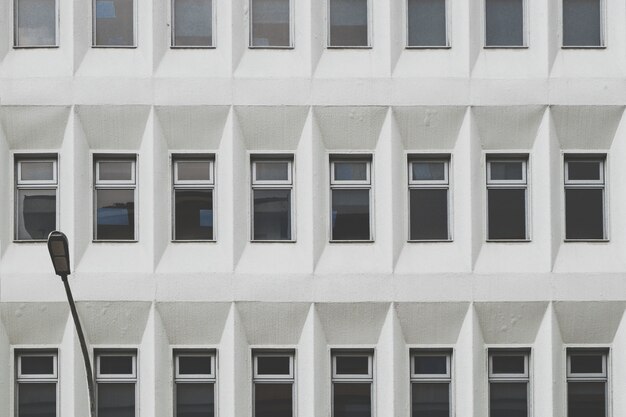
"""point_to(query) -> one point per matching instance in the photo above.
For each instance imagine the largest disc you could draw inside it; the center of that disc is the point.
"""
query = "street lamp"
(60, 255)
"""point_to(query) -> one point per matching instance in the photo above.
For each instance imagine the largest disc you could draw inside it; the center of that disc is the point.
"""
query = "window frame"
(117, 378)
(605, 378)
(274, 379)
(19, 184)
(57, 22)
(94, 28)
(172, 31)
(18, 378)
(525, 29)
(369, 28)
(603, 25)
(524, 377)
(194, 378)
(415, 378)
(370, 378)
(407, 29)
(291, 29)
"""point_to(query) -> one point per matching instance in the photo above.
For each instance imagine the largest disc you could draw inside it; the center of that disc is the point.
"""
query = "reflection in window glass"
(114, 23)
(36, 214)
(193, 23)
(348, 23)
(350, 171)
(36, 23)
(115, 214)
(272, 171)
(193, 214)
(115, 170)
(350, 214)
(37, 171)
(272, 214)
(582, 23)
(427, 23)
(504, 23)
(270, 23)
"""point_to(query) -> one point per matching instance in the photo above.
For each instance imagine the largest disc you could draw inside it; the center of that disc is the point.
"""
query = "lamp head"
(59, 253)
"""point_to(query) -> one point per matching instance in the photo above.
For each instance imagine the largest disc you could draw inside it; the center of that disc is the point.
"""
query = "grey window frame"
(291, 29)
(34, 379)
(406, 27)
(415, 378)
(195, 378)
(369, 28)
(173, 29)
(94, 28)
(57, 21)
(19, 184)
(525, 29)
(358, 378)
(277, 379)
(120, 378)
(603, 25)
(524, 377)
(590, 377)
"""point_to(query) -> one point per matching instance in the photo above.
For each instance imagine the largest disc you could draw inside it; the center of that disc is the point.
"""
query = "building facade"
(315, 208)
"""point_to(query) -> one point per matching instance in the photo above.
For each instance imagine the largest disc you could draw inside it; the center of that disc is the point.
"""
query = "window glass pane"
(272, 171)
(36, 23)
(428, 171)
(586, 364)
(115, 214)
(351, 215)
(194, 170)
(505, 23)
(507, 213)
(352, 400)
(195, 400)
(431, 365)
(193, 215)
(37, 400)
(194, 365)
(508, 364)
(352, 365)
(583, 170)
(429, 214)
(272, 214)
(193, 23)
(273, 400)
(37, 170)
(350, 171)
(430, 399)
(581, 23)
(37, 365)
(270, 23)
(427, 23)
(506, 170)
(115, 170)
(37, 213)
(116, 365)
(114, 23)
(273, 365)
(348, 23)
(116, 400)
(508, 399)
(586, 399)
(584, 214)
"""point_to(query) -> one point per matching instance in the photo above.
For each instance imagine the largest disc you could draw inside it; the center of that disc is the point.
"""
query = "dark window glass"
(586, 399)
(116, 399)
(195, 400)
(509, 171)
(351, 214)
(350, 171)
(352, 400)
(115, 214)
(508, 399)
(272, 214)
(348, 23)
(37, 400)
(508, 364)
(37, 365)
(584, 213)
(429, 214)
(431, 365)
(581, 23)
(428, 171)
(273, 400)
(586, 364)
(427, 23)
(270, 23)
(583, 170)
(193, 170)
(352, 365)
(194, 365)
(36, 170)
(37, 213)
(115, 170)
(273, 365)
(116, 365)
(505, 23)
(36, 23)
(193, 24)
(430, 399)
(193, 214)
(507, 213)
(272, 171)
(114, 23)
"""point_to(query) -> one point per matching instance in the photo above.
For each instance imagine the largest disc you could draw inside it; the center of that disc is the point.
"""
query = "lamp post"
(60, 255)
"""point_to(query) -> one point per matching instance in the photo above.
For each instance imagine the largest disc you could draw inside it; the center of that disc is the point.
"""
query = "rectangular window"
(273, 383)
(270, 23)
(584, 198)
(36, 380)
(427, 23)
(504, 23)
(116, 383)
(348, 23)
(192, 23)
(428, 198)
(431, 379)
(352, 381)
(194, 381)
(587, 379)
(114, 197)
(193, 197)
(508, 383)
(507, 195)
(350, 195)
(35, 23)
(114, 23)
(272, 205)
(36, 186)
(582, 23)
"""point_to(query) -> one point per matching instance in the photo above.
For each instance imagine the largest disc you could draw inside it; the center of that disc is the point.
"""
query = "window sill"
(351, 241)
(583, 47)
(194, 241)
(508, 240)
(586, 240)
(273, 241)
(278, 48)
(115, 241)
(27, 241)
(113, 46)
(347, 47)
(17, 47)
(417, 48)
(192, 47)
(430, 241)
(505, 47)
